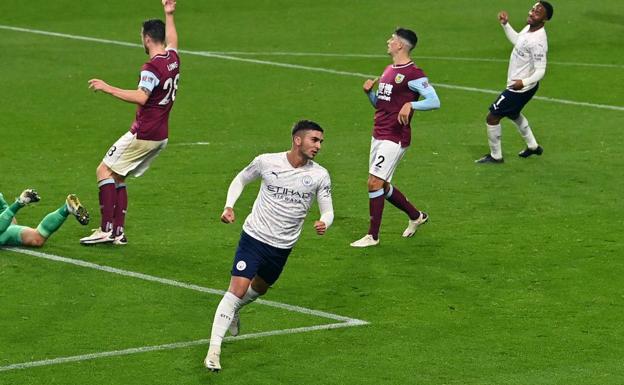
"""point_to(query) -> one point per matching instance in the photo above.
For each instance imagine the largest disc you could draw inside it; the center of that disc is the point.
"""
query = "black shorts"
(510, 103)
(255, 257)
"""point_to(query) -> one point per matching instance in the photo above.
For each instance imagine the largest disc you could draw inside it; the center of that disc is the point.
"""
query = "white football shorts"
(132, 156)
(385, 156)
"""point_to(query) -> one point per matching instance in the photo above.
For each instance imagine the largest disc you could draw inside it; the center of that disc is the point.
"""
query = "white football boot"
(366, 241)
(211, 362)
(413, 225)
(120, 239)
(98, 236)
(28, 196)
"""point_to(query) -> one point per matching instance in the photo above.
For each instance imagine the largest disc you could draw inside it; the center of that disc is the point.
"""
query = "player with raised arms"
(527, 66)
(133, 153)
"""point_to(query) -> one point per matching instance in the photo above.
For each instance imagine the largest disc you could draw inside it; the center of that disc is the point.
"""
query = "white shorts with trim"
(132, 156)
(385, 156)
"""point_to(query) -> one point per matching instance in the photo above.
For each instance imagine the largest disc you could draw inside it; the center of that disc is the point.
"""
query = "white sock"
(525, 131)
(223, 317)
(250, 296)
(494, 139)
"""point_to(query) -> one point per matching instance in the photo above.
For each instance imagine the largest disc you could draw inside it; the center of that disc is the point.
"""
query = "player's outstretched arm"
(511, 33)
(138, 96)
(171, 34)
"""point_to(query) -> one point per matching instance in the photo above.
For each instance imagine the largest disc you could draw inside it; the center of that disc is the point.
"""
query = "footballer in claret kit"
(133, 153)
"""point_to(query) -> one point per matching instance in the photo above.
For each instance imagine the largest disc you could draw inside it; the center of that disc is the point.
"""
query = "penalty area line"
(343, 321)
(171, 282)
(172, 346)
(301, 67)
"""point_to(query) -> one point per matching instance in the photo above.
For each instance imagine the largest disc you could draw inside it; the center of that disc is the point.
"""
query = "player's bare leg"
(32, 238)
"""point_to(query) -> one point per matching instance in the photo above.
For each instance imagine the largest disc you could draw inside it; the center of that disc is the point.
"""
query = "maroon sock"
(107, 203)
(121, 206)
(375, 205)
(400, 201)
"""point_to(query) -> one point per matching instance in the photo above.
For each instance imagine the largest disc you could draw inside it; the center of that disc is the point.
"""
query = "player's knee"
(492, 119)
(259, 285)
(118, 178)
(103, 172)
(238, 286)
(36, 241)
(239, 292)
(375, 184)
(260, 289)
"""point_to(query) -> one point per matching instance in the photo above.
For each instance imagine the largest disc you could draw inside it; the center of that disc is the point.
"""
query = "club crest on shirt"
(307, 180)
(399, 78)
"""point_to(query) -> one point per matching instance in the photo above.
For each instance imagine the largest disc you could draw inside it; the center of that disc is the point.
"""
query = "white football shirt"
(528, 54)
(285, 197)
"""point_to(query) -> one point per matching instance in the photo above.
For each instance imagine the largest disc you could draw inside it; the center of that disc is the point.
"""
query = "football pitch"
(516, 279)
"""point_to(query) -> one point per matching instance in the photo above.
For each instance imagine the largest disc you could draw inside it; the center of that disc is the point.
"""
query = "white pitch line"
(176, 345)
(302, 67)
(190, 144)
(171, 282)
(344, 321)
(309, 54)
(416, 56)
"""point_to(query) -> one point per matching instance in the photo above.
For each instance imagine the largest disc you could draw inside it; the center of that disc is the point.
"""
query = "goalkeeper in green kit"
(12, 234)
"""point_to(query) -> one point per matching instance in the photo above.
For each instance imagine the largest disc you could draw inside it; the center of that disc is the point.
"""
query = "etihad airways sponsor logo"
(288, 193)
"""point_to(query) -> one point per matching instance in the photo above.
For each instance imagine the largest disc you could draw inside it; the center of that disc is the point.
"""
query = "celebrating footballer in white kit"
(527, 66)
(290, 183)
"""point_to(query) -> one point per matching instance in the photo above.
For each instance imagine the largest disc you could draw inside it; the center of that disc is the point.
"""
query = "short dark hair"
(549, 9)
(305, 125)
(408, 35)
(155, 29)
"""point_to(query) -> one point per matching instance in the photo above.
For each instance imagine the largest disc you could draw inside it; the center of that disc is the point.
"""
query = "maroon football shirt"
(152, 119)
(392, 94)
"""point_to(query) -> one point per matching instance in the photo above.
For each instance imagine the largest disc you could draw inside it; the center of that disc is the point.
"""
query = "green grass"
(516, 280)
